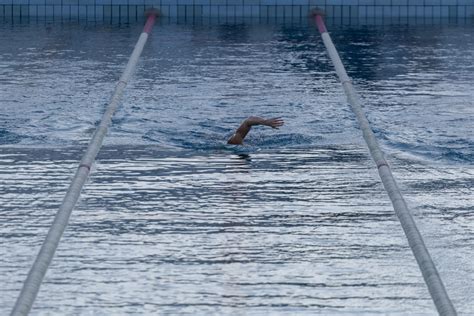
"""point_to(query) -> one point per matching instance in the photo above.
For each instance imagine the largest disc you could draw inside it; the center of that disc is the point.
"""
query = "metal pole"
(430, 274)
(37, 272)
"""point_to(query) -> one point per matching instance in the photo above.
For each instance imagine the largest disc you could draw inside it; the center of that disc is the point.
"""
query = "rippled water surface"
(173, 220)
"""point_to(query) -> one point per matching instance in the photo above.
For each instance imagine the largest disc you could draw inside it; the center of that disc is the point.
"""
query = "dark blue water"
(173, 220)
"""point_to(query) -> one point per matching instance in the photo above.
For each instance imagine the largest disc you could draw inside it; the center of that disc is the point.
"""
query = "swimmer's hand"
(242, 131)
(273, 122)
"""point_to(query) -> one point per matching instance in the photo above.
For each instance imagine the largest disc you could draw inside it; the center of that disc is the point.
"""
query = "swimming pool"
(173, 220)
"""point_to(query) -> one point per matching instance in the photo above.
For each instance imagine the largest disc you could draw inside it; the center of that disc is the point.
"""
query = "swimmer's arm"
(242, 131)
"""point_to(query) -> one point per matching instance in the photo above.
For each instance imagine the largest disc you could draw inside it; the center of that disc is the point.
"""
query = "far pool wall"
(128, 10)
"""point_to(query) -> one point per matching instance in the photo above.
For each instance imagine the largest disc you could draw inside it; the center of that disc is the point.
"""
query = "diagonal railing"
(428, 269)
(37, 272)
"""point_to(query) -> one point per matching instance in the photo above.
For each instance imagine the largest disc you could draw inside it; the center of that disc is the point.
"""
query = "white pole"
(428, 269)
(37, 272)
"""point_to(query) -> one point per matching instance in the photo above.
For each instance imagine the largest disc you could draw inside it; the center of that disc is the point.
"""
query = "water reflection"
(245, 157)
(305, 230)
(297, 222)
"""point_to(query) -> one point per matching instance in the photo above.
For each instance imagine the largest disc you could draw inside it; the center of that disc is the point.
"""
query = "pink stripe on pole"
(149, 23)
(320, 23)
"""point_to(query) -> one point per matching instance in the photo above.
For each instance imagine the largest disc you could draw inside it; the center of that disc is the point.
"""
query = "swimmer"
(242, 131)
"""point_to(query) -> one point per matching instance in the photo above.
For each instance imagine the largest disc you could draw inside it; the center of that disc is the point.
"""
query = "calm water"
(175, 221)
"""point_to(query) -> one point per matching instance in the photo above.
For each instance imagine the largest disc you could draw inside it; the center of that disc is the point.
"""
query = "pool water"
(175, 221)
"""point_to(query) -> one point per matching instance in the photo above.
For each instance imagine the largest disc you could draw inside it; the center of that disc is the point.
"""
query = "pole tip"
(152, 11)
(317, 11)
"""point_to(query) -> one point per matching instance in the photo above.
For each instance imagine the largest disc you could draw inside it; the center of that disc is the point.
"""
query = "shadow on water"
(7, 137)
(233, 33)
(245, 157)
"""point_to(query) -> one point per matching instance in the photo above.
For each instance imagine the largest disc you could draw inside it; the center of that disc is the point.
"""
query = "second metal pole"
(428, 269)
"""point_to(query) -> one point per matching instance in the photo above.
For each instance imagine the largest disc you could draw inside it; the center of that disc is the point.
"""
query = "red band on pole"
(149, 23)
(82, 165)
(320, 23)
